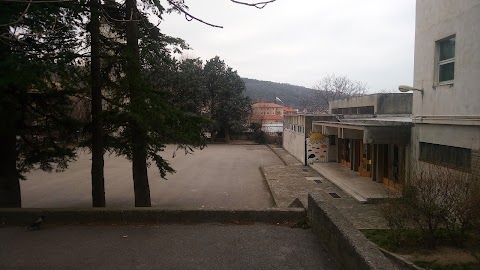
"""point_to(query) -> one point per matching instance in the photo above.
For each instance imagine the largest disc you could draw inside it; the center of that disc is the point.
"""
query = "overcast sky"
(301, 41)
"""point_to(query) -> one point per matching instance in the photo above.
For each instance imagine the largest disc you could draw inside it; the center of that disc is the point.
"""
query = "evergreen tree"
(190, 90)
(226, 106)
(38, 79)
(97, 137)
(141, 112)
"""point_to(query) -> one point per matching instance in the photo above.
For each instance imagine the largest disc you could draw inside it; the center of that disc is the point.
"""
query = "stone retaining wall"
(148, 216)
(346, 244)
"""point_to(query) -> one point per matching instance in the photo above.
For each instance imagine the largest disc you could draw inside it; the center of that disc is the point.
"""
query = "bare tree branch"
(258, 5)
(20, 17)
(188, 16)
(333, 87)
(37, 2)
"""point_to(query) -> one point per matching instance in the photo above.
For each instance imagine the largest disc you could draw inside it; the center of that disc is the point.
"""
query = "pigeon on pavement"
(36, 225)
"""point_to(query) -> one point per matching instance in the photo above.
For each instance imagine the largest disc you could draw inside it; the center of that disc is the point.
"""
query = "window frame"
(457, 158)
(439, 63)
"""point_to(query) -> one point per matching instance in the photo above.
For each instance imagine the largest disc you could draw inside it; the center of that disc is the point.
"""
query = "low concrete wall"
(294, 143)
(350, 248)
(148, 216)
(404, 264)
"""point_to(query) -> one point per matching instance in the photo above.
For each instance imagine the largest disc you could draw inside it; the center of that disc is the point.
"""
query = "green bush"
(261, 137)
(436, 198)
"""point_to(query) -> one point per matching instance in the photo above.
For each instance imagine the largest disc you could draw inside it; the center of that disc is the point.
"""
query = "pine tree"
(38, 77)
(227, 107)
(141, 114)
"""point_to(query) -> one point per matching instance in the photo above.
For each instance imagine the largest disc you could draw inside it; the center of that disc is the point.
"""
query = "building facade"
(371, 135)
(446, 112)
(289, 110)
(296, 130)
(269, 115)
(262, 109)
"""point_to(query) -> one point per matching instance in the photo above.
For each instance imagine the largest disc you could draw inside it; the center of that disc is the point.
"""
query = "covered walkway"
(362, 189)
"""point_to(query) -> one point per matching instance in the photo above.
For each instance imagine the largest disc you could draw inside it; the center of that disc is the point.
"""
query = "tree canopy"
(38, 53)
(226, 106)
(99, 74)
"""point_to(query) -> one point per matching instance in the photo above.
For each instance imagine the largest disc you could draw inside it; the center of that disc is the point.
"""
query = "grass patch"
(448, 255)
(455, 266)
(400, 242)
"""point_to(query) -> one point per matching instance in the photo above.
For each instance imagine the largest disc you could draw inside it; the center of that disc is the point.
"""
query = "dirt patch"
(442, 255)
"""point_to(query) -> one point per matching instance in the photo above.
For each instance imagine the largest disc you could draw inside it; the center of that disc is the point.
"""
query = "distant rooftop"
(267, 117)
(266, 105)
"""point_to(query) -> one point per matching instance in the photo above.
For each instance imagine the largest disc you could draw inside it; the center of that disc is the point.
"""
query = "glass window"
(450, 156)
(447, 49)
(446, 60)
(446, 72)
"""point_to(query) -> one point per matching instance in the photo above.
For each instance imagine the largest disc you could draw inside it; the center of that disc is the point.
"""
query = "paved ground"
(291, 181)
(363, 189)
(203, 246)
(220, 176)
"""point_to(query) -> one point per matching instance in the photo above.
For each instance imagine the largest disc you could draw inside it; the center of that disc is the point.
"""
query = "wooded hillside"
(264, 91)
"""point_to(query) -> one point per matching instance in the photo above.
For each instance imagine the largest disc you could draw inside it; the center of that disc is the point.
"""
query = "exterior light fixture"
(406, 88)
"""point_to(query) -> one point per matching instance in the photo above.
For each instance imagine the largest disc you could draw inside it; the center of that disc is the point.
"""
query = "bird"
(36, 225)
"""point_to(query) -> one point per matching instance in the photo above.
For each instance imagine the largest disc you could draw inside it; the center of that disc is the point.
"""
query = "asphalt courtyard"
(201, 246)
(219, 176)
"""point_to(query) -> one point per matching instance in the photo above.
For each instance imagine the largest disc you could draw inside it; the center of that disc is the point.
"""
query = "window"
(331, 139)
(366, 110)
(449, 156)
(446, 60)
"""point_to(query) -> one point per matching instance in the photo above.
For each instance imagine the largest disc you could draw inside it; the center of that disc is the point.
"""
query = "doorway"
(365, 160)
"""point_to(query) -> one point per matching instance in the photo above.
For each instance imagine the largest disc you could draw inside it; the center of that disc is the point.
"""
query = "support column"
(373, 165)
(356, 155)
(379, 163)
(352, 154)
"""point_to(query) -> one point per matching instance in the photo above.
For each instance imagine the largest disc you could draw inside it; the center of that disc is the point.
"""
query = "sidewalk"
(293, 180)
(362, 189)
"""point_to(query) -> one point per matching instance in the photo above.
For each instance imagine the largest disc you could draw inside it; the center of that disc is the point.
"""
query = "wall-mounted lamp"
(406, 88)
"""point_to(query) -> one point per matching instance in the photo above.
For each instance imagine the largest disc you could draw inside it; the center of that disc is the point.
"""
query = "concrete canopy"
(368, 130)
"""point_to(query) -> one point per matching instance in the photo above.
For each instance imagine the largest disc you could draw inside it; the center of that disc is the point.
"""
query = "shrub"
(440, 196)
(260, 137)
(397, 213)
(436, 197)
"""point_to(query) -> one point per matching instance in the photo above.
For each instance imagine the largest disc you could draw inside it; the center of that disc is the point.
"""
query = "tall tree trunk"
(227, 136)
(97, 170)
(10, 195)
(139, 135)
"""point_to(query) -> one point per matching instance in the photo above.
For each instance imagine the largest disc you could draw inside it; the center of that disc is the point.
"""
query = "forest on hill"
(264, 91)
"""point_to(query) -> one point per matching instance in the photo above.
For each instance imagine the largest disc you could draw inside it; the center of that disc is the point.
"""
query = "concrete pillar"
(352, 154)
(379, 163)
(476, 163)
(339, 149)
(373, 166)
(401, 165)
(356, 155)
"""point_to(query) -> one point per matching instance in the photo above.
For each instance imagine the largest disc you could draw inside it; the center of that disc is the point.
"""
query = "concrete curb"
(148, 215)
(350, 248)
(267, 184)
(279, 156)
(404, 264)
